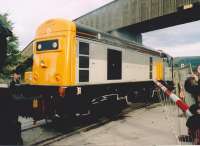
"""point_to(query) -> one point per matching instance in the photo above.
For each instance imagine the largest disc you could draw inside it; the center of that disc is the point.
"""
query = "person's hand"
(198, 111)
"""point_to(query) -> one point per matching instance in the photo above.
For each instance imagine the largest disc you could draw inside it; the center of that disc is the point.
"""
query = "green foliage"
(193, 60)
(13, 54)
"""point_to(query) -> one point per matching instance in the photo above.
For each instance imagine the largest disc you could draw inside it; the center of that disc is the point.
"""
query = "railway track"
(47, 134)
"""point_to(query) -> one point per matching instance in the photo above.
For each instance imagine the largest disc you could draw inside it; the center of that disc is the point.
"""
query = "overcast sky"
(182, 40)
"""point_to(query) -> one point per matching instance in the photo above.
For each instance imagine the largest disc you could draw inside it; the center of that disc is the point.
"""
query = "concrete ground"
(156, 125)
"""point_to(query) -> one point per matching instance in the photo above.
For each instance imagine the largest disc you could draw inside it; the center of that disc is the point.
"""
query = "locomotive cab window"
(47, 45)
(83, 75)
(114, 64)
(83, 48)
(83, 62)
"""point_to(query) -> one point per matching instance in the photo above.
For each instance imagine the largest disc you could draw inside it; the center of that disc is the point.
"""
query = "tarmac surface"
(154, 125)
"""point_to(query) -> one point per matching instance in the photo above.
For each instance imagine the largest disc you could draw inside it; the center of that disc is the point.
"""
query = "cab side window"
(83, 62)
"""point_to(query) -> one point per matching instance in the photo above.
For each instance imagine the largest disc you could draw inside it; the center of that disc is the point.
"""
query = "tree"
(12, 54)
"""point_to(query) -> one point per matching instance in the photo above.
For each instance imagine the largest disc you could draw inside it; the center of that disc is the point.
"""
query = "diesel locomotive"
(76, 67)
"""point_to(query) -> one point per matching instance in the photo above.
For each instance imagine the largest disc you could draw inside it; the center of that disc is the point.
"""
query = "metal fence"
(175, 117)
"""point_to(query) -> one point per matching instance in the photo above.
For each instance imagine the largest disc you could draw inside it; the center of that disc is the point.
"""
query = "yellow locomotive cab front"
(54, 52)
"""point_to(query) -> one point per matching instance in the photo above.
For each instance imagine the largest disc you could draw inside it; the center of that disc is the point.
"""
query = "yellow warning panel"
(54, 50)
(159, 70)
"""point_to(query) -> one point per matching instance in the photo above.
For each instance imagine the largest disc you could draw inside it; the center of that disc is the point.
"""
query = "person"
(10, 126)
(193, 122)
(15, 125)
(192, 85)
(15, 79)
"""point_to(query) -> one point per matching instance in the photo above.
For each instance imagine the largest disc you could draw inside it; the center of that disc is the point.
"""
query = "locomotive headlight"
(55, 45)
(43, 64)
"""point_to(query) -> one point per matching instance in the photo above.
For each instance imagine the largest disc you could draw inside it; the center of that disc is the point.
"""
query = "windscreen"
(47, 45)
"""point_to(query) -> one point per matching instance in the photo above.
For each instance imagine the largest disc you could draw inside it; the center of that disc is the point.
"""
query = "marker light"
(54, 45)
(39, 46)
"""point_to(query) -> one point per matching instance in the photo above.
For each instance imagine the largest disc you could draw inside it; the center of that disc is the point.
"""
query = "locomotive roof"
(94, 34)
(57, 25)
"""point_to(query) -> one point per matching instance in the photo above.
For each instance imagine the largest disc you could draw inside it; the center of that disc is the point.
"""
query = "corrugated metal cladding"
(121, 13)
(27, 51)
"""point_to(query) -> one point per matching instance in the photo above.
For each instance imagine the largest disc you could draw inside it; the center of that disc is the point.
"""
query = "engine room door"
(114, 64)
